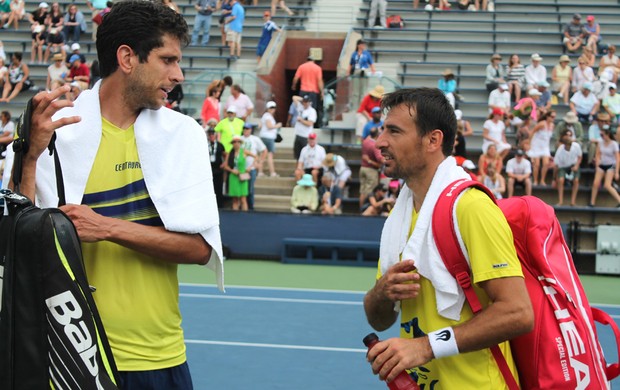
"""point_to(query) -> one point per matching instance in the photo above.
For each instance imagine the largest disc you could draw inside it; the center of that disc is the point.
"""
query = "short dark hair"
(565, 132)
(6, 114)
(432, 111)
(140, 25)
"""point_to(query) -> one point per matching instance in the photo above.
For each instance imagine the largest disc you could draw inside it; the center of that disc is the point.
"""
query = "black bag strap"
(21, 146)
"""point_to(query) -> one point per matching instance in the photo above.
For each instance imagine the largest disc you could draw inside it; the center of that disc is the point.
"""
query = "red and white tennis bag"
(562, 351)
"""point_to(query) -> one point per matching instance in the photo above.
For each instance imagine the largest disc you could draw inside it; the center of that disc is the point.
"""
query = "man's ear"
(126, 58)
(435, 140)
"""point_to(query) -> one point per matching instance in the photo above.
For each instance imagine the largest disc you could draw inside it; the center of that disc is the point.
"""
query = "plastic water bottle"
(403, 381)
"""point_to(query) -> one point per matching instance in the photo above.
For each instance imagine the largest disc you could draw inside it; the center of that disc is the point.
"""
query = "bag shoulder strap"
(454, 259)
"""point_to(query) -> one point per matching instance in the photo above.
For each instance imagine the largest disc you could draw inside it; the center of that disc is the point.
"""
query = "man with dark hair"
(140, 195)
(442, 344)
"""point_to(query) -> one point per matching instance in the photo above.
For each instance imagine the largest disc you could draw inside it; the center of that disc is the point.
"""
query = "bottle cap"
(370, 338)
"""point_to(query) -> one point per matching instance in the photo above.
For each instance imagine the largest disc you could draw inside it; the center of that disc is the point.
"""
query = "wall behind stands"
(295, 52)
(259, 235)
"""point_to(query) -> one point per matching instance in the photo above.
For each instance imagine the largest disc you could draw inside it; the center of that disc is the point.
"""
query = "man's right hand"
(399, 282)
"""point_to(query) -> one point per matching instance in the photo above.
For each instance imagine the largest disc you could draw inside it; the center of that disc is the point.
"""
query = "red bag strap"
(612, 370)
(454, 259)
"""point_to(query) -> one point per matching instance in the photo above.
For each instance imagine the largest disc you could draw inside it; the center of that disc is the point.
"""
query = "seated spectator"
(4, 74)
(463, 130)
(75, 49)
(490, 158)
(584, 104)
(330, 196)
(5, 12)
(75, 24)
(561, 77)
(447, 85)
(374, 123)
(364, 111)
(494, 73)
(494, 181)
(305, 198)
(567, 160)
(611, 103)
(499, 98)
(39, 35)
(55, 35)
(229, 127)
(522, 136)
(600, 87)
(17, 78)
(535, 72)
(79, 72)
(543, 102)
(494, 132)
(56, 72)
(371, 164)
(601, 124)
(527, 107)
(515, 76)
(211, 104)
(519, 171)
(574, 34)
(311, 160)
(540, 147)
(17, 13)
(609, 64)
(268, 134)
(238, 178)
(377, 203)
(588, 55)
(7, 130)
(581, 74)
(594, 34)
(338, 166)
(75, 89)
(607, 166)
(569, 122)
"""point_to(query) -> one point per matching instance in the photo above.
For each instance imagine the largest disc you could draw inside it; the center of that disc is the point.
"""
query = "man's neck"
(113, 107)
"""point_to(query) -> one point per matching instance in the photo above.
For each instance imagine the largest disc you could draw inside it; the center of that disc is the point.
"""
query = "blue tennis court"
(275, 338)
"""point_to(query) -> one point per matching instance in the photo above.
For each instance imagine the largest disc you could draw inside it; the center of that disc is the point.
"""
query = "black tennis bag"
(51, 335)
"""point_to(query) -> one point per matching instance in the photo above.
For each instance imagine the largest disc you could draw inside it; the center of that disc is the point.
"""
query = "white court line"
(267, 299)
(275, 288)
(276, 346)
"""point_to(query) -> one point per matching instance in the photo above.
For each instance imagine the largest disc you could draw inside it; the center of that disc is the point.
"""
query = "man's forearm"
(379, 310)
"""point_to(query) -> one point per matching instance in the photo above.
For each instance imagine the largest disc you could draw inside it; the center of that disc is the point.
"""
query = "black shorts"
(606, 167)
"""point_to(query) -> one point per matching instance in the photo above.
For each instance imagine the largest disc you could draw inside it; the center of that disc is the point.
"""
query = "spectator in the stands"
(610, 64)
(202, 21)
(56, 72)
(238, 177)
(584, 104)
(75, 24)
(242, 103)
(494, 181)
(543, 102)
(494, 73)
(211, 105)
(522, 136)
(527, 107)
(588, 55)
(607, 166)
(490, 158)
(611, 103)
(217, 155)
(75, 49)
(99, 9)
(18, 78)
(229, 127)
(375, 123)
(226, 7)
(535, 72)
(574, 34)
(309, 76)
(338, 166)
(540, 147)
(371, 101)
(447, 85)
(291, 118)
(305, 197)
(311, 159)
(499, 98)
(494, 133)
(282, 5)
(268, 134)
(594, 33)
(39, 34)
(304, 125)
(330, 196)
(18, 11)
(4, 74)
(253, 160)
(561, 77)
(567, 160)
(519, 172)
(377, 203)
(463, 129)
(569, 122)
(78, 72)
(515, 76)
(602, 123)
(235, 22)
(377, 5)
(371, 164)
(361, 65)
(7, 129)
(268, 28)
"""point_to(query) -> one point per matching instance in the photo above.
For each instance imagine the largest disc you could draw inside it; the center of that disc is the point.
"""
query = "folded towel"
(421, 245)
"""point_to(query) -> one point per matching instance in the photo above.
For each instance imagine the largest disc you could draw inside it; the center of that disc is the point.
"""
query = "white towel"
(421, 245)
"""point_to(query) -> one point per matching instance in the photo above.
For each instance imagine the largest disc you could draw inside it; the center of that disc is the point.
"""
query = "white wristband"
(443, 342)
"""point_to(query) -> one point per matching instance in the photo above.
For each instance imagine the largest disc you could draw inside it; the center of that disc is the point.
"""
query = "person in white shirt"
(519, 171)
(56, 72)
(584, 104)
(567, 160)
(535, 72)
(611, 103)
(7, 128)
(268, 133)
(500, 98)
(304, 124)
(240, 101)
(338, 166)
(311, 160)
(257, 148)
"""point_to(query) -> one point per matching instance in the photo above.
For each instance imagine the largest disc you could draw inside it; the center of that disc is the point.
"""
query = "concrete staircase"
(331, 16)
(274, 193)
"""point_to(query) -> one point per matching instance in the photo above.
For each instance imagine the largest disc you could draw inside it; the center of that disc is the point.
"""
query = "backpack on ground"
(562, 352)
(394, 21)
(51, 335)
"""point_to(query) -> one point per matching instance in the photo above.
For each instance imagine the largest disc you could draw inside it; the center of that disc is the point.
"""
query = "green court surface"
(600, 289)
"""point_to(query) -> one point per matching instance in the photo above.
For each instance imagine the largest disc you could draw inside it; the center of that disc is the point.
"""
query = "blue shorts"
(260, 50)
(270, 143)
(173, 378)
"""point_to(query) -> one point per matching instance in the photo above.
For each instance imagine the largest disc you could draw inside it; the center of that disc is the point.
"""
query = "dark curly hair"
(140, 25)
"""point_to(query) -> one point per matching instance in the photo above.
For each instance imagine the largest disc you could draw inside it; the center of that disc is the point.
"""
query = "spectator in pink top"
(372, 161)
(310, 76)
(240, 101)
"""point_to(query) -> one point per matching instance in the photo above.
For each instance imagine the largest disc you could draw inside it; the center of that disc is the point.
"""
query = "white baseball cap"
(271, 104)
(75, 46)
(232, 109)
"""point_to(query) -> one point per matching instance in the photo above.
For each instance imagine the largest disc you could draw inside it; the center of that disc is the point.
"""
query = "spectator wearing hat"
(610, 64)
(56, 72)
(38, 27)
(238, 177)
(593, 30)
(371, 101)
(79, 72)
(447, 85)
(371, 164)
(567, 160)
(309, 76)
(570, 122)
(515, 76)
(361, 65)
(311, 159)
(330, 196)
(519, 172)
(494, 73)
(600, 124)
(540, 147)
(269, 129)
(75, 24)
(561, 77)
(235, 22)
(499, 98)
(229, 127)
(543, 102)
(607, 166)
(305, 197)
(202, 21)
(611, 103)
(217, 155)
(256, 151)
(337, 165)
(584, 104)
(75, 49)
(493, 132)
(535, 72)
(242, 103)
(581, 74)
(268, 28)
(304, 125)
(375, 123)
(377, 202)
(574, 34)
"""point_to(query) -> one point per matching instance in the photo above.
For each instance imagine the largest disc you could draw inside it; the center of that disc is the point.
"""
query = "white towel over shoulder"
(421, 247)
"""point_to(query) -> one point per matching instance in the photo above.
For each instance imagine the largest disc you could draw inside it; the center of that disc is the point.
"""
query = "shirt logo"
(502, 265)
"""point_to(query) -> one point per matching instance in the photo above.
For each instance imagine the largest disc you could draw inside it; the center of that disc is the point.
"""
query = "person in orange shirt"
(310, 76)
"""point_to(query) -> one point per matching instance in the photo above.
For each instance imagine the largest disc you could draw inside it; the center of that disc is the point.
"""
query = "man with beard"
(138, 186)
(441, 343)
